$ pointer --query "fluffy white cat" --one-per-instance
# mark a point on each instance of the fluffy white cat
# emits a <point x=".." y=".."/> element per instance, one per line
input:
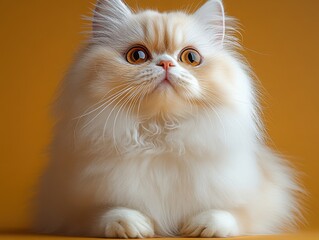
<point x="158" y="134"/>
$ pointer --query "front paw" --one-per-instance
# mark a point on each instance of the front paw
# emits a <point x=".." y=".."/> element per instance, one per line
<point x="127" y="223"/>
<point x="213" y="223"/>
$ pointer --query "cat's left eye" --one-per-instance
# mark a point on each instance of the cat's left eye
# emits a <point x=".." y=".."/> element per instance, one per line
<point x="137" y="55"/>
<point x="190" y="56"/>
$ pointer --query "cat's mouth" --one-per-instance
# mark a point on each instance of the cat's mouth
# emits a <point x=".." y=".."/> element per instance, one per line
<point x="164" y="85"/>
<point x="166" y="81"/>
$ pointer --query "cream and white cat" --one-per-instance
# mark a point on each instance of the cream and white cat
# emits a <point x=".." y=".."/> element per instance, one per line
<point x="158" y="134"/>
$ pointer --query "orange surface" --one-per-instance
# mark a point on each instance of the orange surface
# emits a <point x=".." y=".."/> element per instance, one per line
<point x="299" y="236"/>
<point x="39" y="38"/>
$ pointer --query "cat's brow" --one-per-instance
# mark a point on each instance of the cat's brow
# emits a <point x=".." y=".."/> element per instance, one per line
<point x="159" y="35"/>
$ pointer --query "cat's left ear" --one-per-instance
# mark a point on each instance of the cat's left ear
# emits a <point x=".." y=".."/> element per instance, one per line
<point x="212" y="15"/>
<point x="108" y="16"/>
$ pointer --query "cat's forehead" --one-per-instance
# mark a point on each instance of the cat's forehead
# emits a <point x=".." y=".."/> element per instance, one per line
<point x="164" y="32"/>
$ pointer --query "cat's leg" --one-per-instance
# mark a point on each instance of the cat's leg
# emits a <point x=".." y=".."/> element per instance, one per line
<point x="212" y="223"/>
<point x="125" y="223"/>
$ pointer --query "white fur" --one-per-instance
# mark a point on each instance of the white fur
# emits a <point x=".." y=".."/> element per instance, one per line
<point x="126" y="223"/>
<point x="211" y="223"/>
<point x="196" y="172"/>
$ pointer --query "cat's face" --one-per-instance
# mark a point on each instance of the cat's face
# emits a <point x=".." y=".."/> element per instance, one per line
<point x="150" y="62"/>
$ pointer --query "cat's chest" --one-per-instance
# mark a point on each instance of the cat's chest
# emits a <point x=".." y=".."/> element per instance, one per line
<point x="164" y="181"/>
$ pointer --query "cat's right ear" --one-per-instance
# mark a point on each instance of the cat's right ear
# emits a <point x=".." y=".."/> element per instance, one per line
<point x="108" y="16"/>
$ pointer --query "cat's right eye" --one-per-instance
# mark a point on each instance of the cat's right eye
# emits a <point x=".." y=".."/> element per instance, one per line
<point x="137" y="55"/>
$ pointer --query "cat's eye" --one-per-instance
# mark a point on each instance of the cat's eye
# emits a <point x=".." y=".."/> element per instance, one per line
<point x="190" y="56"/>
<point x="137" y="55"/>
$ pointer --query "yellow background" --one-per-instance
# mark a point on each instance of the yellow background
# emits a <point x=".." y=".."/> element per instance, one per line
<point x="39" y="37"/>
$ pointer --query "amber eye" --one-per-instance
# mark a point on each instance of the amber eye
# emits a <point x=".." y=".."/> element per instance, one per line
<point x="190" y="56"/>
<point x="137" y="55"/>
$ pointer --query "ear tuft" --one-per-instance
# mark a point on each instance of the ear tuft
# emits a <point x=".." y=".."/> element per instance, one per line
<point x="108" y="16"/>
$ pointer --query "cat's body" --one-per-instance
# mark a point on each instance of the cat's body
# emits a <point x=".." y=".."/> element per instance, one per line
<point x="136" y="156"/>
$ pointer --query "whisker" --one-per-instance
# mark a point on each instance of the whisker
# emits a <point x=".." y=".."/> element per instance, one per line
<point x="86" y="114"/>
<point x="122" y="96"/>
<point x="100" y="101"/>
<point x="119" y="110"/>
<point x="110" y="101"/>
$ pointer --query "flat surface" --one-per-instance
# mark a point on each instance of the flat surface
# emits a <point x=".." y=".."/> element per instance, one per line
<point x="297" y="236"/>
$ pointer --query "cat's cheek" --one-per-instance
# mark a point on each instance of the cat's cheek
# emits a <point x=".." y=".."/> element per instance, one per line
<point x="217" y="84"/>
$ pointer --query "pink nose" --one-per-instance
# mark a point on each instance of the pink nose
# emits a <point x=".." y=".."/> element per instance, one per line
<point x="166" y="64"/>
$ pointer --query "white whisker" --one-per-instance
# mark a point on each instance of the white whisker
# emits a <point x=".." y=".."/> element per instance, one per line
<point x="110" y="101"/>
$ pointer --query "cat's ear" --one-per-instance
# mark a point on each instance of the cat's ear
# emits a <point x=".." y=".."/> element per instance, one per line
<point x="108" y="15"/>
<point x="212" y="15"/>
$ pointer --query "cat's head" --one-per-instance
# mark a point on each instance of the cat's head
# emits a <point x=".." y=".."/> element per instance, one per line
<point x="150" y="63"/>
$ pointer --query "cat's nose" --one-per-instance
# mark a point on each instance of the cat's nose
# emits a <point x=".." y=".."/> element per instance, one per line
<point x="166" y="64"/>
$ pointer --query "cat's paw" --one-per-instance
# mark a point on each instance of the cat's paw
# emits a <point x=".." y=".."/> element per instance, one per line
<point x="127" y="223"/>
<point x="213" y="223"/>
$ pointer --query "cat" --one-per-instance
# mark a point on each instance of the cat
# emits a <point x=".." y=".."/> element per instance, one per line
<point x="158" y="133"/>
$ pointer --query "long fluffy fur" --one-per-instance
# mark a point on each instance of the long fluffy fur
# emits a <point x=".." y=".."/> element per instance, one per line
<point x="128" y="160"/>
